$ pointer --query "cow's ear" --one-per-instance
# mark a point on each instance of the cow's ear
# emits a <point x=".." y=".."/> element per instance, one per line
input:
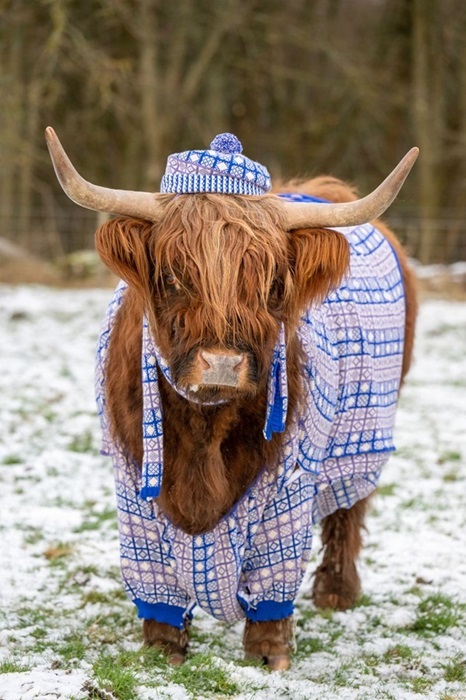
<point x="319" y="258"/>
<point x="122" y="246"/>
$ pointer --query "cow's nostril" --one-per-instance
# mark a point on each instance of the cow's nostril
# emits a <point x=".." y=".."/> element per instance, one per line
<point x="204" y="360"/>
<point x="240" y="363"/>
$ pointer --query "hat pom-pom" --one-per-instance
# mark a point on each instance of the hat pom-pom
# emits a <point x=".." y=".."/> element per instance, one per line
<point x="226" y="143"/>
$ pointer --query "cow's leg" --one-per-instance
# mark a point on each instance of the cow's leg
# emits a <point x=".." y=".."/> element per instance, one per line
<point x="270" y="642"/>
<point x="171" y="640"/>
<point x="336" y="582"/>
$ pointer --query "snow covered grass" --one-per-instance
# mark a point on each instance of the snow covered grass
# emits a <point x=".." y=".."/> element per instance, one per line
<point x="66" y="628"/>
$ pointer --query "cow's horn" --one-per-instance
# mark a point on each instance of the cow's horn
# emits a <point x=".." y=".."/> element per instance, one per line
<point x="143" y="205"/>
<point x="314" y="215"/>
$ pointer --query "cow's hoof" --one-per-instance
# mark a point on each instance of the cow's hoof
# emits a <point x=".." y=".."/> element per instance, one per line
<point x="271" y="642"/>
<point x="278" y="663"/>
<point x="171" y="640"/>
<point x="334" y="590"/>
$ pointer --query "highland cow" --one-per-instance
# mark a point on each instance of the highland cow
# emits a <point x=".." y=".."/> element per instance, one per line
<point x="248" y="372"/>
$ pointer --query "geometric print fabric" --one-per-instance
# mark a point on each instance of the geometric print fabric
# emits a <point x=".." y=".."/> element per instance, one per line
<point x="331" y="457"/>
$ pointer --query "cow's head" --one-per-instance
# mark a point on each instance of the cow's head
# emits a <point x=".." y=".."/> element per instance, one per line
<point x="219" y="273"/>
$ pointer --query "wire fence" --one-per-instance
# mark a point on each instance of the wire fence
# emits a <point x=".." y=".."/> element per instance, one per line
<point x="439" y="240"/>
<point x="51" y="235"/>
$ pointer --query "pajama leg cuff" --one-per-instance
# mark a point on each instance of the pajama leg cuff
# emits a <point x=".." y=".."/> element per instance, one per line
<point x="269" y="610"/>
<point x="162" y="612"/>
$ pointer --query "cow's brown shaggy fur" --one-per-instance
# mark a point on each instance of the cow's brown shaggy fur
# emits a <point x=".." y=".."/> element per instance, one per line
<point x="171" y="640"/>
<point x="336" y="580"/>
<point x="272" y="642"/>
<point x="221" y="272"/>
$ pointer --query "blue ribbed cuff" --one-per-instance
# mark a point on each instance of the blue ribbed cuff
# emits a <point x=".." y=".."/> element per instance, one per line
<point x="162" y="612"/>
<point x="193" y="183"/>
<point x="269" y="610"/>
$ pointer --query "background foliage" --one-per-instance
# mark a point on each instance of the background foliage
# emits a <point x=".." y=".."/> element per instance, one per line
<point x="341" y="86"/>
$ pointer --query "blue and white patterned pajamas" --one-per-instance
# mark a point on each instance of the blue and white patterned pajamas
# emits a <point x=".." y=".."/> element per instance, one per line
<point x="253" y="561"/>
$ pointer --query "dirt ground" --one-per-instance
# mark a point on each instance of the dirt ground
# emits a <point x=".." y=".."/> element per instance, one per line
<point x="36" y="271"/>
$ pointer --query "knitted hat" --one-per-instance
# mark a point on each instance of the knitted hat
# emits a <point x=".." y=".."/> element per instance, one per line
<point x="221" y="169"/>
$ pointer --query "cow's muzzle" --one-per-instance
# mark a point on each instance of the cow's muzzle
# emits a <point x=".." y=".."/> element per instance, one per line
<point x="221" y="368"/>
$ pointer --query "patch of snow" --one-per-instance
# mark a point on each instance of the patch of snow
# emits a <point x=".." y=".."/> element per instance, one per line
<point x="42" y="685"/>
<point x="55" y="486"/>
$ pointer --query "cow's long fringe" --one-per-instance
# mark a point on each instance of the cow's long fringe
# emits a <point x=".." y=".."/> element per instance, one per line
<point x="225" y="254"/>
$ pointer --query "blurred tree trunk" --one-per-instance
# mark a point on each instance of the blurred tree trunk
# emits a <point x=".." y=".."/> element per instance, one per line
<point x="31" y="116"/>
<point x="152" y="117"/>
<point x="455" y="179"/>
<point x="461" y="145"/>
<point x="10" y="127"/>
<point x="428" y="121"/>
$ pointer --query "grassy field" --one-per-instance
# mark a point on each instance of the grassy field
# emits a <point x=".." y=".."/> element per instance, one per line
<point x="66" y="628"/>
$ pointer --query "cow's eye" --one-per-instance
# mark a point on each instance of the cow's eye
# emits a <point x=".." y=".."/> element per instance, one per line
<point x="275" y="288"/>
<point x="171" y="282"/>
<point x="275" y="293"/>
